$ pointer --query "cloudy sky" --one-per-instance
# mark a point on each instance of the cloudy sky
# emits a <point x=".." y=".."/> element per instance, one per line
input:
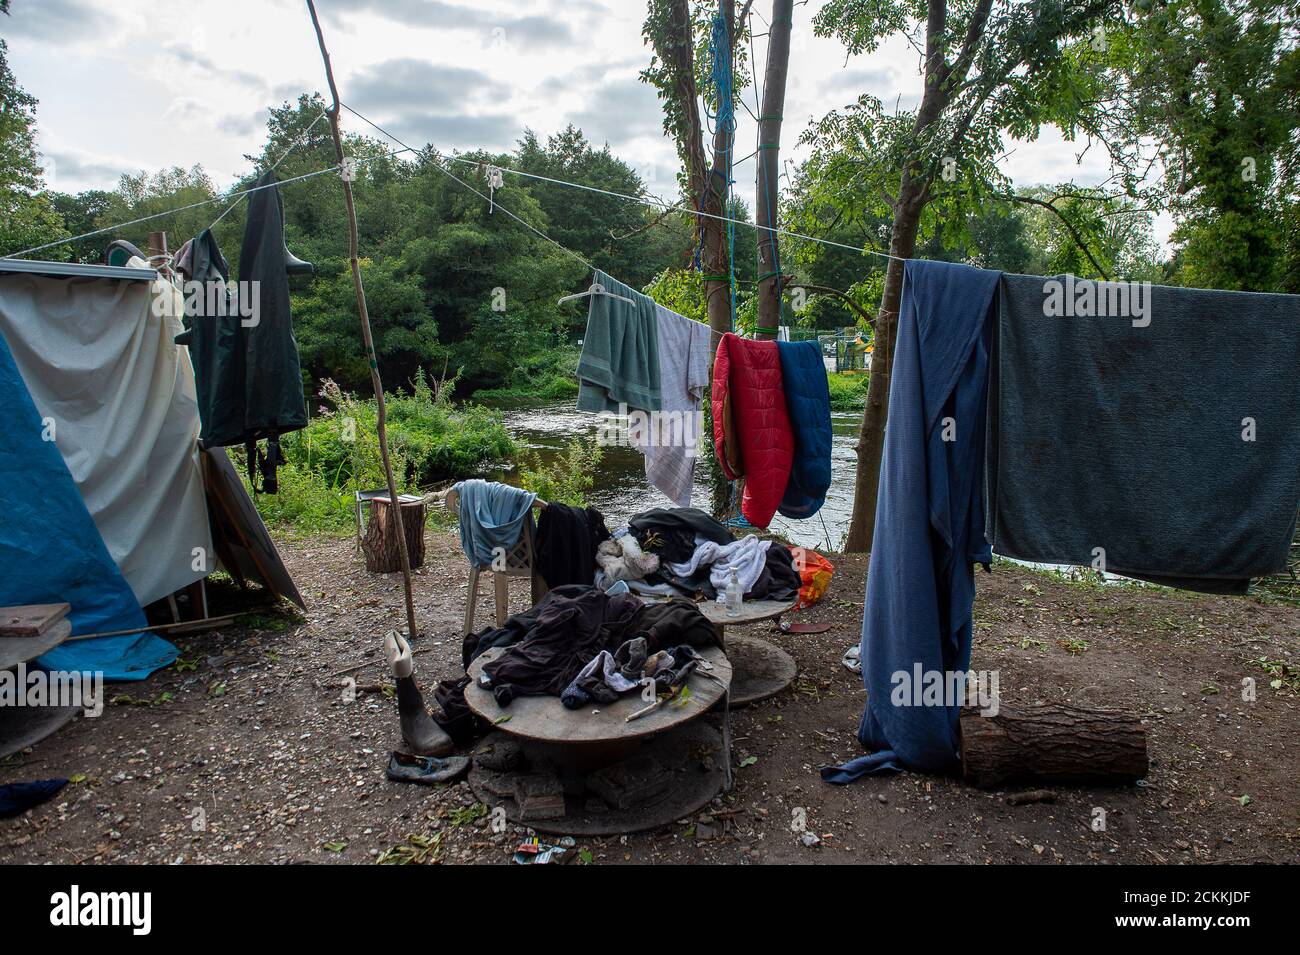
<point x="130" y="85"/>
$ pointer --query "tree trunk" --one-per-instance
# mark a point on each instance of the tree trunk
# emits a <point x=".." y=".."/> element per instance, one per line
<point x="1052" y="743"/>
<point x="716" y="258"/>
<point x="913" y="194"/>
<point x="381" y="544"/>
<point x="769" y="168"/>
<point x="871" y="439"/>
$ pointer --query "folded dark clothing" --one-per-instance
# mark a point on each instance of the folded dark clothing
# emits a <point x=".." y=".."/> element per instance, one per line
<point x="669" y="623"/>
<point x="779" y="579"/>
<point x="676" y="529"/>
<point x="567" y="538"/>
<point x="562" y="637"/>
<point x="517" y="626"/>
<point x="1113" y="438"/>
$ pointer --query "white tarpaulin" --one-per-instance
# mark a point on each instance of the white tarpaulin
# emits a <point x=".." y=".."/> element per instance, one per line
<point x="118" y="394"/>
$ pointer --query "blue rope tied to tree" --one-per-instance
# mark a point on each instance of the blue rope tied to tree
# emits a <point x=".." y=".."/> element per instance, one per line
<point x="721" y="80"/>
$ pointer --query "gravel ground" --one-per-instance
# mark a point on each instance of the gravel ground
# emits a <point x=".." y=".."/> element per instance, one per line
<point x="248" y="751"/>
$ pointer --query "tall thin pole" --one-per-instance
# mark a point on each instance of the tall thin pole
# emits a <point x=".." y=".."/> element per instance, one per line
<point x="395" y="507"/>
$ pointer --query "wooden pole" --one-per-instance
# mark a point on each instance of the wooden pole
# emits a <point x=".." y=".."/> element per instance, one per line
<point x="333" y="113"/>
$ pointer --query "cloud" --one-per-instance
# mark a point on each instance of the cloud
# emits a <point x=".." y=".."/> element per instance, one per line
<point x="191" y="56"/>
<point x="532" y="29"/>
<point x="410" y="82"/>
<point x="74" y="171"/>
<point x="242" y="124"/>
<point x="495" y="132"/>
<point x="57" y="21"/>
<point x="620" y="111"/>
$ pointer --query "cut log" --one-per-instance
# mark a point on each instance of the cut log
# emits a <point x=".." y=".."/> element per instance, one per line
<point x="380" y="544"/>
<point x="1055" y="743"/>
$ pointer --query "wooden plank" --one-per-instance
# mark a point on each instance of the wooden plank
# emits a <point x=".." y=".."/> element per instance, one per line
<point x="30" y="620"/>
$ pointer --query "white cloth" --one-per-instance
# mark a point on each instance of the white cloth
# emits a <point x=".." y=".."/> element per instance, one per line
<point x="746" y="557"/>
<point x="670" y="438"/>
<point x="100" y="363"/>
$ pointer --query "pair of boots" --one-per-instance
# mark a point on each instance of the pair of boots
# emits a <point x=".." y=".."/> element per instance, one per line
<point x="422" y="736"/>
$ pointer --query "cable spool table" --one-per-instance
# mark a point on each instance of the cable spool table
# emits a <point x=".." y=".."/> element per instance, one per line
<point x="760" y="668"/>
<point x="591" y="772"/>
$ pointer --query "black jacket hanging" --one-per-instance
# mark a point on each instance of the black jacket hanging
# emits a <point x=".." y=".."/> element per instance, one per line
<point x="245" y="356"/>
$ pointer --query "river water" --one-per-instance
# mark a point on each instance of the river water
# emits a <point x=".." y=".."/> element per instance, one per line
<point x="621" y="489"/>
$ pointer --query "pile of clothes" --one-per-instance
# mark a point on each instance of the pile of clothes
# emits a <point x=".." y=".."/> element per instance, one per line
<point x="697" y="556"/>
<point x="581" y="644"/>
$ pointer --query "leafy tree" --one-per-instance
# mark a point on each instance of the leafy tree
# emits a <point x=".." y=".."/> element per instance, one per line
<point x="27" y="217"/>
<point x="990" y="67"/>
<point x="1216" y="83"/>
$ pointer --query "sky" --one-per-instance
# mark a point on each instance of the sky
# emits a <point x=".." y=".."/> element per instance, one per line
<point x="130" y="85"/>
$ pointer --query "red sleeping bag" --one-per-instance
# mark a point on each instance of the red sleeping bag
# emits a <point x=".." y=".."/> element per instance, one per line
<point x="751" y="429"/>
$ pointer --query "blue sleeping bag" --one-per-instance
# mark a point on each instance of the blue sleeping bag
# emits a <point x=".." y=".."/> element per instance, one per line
<point x="808" y="403"/>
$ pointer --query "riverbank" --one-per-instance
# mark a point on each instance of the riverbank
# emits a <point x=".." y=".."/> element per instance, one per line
<point x="247" y="751"/>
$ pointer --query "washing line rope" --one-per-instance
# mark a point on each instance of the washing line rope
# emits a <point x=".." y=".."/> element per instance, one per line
<point x="192" y="205"/>
<point x="446" y="172"/>
<point x="298" y="141"/>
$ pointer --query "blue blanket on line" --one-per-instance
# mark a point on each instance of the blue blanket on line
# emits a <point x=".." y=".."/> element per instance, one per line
<point x="808" y="403"/>
<point x="929" y="521"/>
<point x="492" y="516"/>
<point x="52" y="552"/>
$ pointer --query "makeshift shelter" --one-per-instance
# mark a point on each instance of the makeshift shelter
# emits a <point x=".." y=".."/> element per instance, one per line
<point x="102" y="482"/>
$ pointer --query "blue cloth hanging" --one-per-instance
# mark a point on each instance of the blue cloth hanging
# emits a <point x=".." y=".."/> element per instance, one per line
<point x="929" y="521"/>
<point x="808" y="403"/>
<point x="52" y="552"/>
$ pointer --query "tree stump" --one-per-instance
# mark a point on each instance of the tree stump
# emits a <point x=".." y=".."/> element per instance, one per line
<point x="1053" y="743"/>
<point x="380" y="541"/>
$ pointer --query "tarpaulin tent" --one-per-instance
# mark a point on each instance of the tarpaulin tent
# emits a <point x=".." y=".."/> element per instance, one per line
<point x="101" y="482"/>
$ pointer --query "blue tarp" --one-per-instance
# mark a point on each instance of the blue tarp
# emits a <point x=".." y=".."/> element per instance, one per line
<point x="929" y="521"/>
<point x="51" y="551"/>
<point x="808" y="403"/>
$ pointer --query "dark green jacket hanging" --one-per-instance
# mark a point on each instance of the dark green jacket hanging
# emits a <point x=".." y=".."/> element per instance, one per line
<point x="246" y="360"/>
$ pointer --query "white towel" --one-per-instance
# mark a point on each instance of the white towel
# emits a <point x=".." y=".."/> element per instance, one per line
<point x="671" y="437"/>
<point x="746" y="557"/>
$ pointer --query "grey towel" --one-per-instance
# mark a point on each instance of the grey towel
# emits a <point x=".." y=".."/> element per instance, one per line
<point x="620" y="352"/>
<point x="1132" y="433"/>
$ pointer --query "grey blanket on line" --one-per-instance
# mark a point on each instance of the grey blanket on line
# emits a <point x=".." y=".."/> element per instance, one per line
<point x="1130" y="439"/>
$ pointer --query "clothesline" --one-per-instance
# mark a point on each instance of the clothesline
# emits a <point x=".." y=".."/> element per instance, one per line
<point x="193" y="205"/>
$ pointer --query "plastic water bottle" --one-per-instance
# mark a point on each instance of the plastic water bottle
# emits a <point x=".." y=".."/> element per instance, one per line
<point x="734" y="596"/>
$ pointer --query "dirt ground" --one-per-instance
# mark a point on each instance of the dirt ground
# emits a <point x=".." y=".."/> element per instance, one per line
<point x="246" y="751"/>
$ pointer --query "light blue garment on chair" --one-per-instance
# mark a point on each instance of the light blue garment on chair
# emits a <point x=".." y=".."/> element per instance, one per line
<point x="492" y="516"/>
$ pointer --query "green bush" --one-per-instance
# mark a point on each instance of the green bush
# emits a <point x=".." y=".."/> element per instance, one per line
<point x="568" y="478"/>
<point x="848" y="390"/>
<point x="543" y="378"/>
<point x="430" y="440"/>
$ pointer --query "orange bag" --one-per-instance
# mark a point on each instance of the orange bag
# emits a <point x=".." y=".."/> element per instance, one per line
<point x="814" y="573"/>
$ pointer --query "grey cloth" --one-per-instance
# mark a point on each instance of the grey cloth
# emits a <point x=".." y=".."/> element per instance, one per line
<point x="672" y="439"/>
<point x="619" y="364"/>
<point x="1103" y="433"/>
